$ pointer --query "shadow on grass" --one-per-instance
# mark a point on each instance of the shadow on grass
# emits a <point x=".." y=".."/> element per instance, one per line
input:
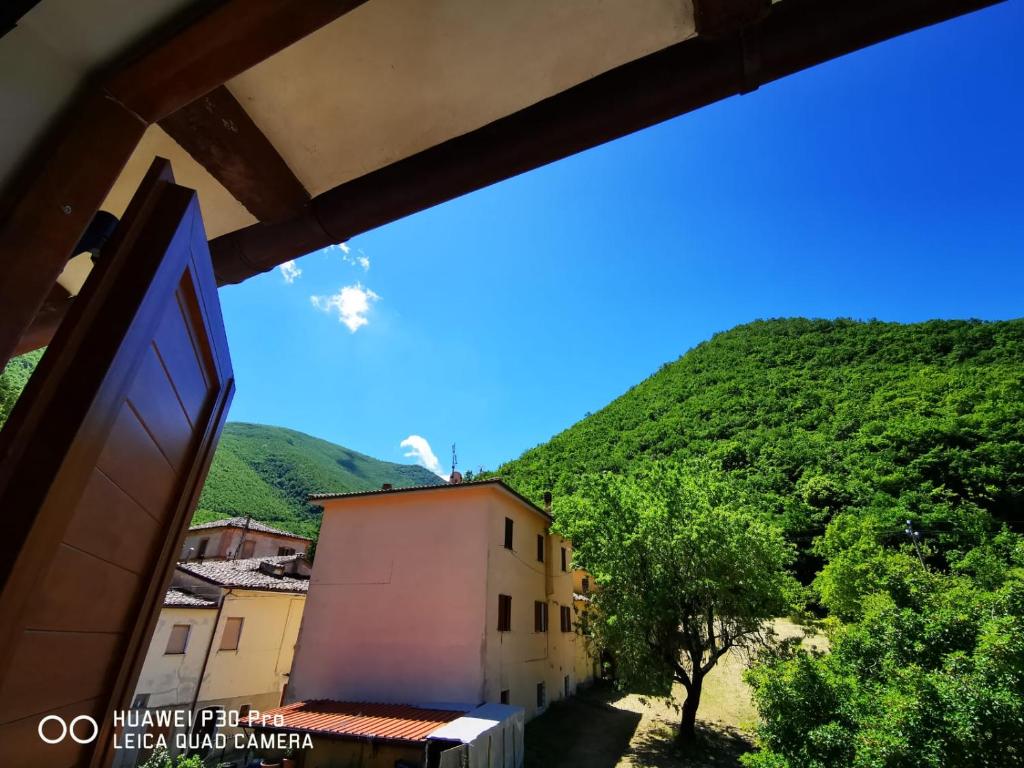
<point x="717" y="746"/>
<point x="583" y="732"/>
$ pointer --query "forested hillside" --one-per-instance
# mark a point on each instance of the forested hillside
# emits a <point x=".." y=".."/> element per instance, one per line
<point x="269" y="471"/>
<point x="818" y="418"/>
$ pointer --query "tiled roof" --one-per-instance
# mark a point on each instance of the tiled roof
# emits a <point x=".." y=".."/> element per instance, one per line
<point x="495" y="482"/>
<point x="176" y="598"/>
<point x="245" y="573"/>
<point x="239" y="522"/>
<point x="359" y="720"/>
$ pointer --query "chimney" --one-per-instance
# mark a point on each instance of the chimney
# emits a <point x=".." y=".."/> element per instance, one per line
<point x="387" y="487"/>
<point x="455" y="477"/>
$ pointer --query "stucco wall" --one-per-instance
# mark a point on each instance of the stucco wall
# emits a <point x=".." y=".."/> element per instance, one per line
<point x="266" y="646"/>
<point x="396" y="603"/>
<point x="223" y="542"/>
<point x="403" y="602"/>
<point x="170" y="679"/>
<point x="521" y="658"/>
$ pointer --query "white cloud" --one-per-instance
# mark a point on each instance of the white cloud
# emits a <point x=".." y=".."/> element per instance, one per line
<point x="290" y="271"/>
<point x="352" y="303"/>
<point x="357" y="259"/>
<point x="421" y="452"/>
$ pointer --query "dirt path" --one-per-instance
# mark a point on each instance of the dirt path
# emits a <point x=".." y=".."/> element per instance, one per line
<point x="602" y="728"/>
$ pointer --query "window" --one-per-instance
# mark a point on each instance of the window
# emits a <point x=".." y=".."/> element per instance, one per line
<point x="565" y="559"/>
<point x="283" y="551"/>
<point x="565" y="617"/>
<point x="232" y="633"/>
<point x="505" y="696"/>
<point x="203" y="544"/>
<point x="540" y="547"/>
<point x="249" y="547"/>
<point x="178" y="640"/>
<point x="542" y="696"/>
<point x="508" y="533"/>
<point x="586" y="586"/>
<point x="504" y="613"/>
<point x="540" y="616"/>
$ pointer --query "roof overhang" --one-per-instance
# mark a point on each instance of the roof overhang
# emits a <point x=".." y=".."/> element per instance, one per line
<point x="302" y="124"/>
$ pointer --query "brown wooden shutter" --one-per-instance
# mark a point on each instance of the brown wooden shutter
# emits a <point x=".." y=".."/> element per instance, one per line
<point x="101" y="465"/>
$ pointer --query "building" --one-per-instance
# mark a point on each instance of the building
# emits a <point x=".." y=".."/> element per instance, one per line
<point x="448" y="596"/>
<point x="240" y="537"/>
<point x="224" y="639"/>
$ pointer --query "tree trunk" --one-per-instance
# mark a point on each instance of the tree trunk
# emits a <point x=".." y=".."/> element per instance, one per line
<point x="687" y="724"/>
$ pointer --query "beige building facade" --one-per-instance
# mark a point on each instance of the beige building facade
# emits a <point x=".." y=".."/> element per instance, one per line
<point x="224" y="640"/>
<point x="451" y="595"/>
<point x="242" y="538"/>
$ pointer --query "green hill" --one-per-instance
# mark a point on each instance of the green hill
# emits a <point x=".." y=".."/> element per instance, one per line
<point x="269" y="471"/>
<point x="819" y="418"/>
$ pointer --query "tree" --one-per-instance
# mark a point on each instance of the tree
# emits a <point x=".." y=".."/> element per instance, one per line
<point x="930" y="672"/>
<point x="685" y="570"/>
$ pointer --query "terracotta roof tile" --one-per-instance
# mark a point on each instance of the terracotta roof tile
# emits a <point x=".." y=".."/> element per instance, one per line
<point x="177" y="598"/>
<point x="239" y="522"/>
<point x="245" y="573"/>
<point x="361" y="720"/>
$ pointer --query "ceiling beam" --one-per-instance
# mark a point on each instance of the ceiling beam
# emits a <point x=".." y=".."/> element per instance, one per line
<point x="61" y="185"/>
<point x="228" y="40"/>
<point x="792" y="35"/>
<point x="220" y="136"/>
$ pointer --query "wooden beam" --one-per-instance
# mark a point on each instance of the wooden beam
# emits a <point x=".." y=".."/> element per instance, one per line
<point x="229" y="40"/>
<point x="792" y="36"/>
<point x="49" y="216"/>
<point x="59" y="190"/>
<point x="221" y="136"/>
<point x="46" y="321"/>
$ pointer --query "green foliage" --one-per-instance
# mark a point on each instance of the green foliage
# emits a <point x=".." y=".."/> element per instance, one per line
<point x="270" y="472"/>
<point x="160" y="759"/>
<point x="842" y="431"/>
<point x="687" y="569"/>
<point x="931" y="673"/>
<point x="819" y="419"/>
<point x="13" y="380"/>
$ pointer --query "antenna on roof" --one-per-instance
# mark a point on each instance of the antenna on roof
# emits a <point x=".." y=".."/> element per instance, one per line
<point x="455" y="477"/>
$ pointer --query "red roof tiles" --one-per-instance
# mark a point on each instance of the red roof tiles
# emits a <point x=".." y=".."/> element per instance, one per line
<point x="360" y="720"/>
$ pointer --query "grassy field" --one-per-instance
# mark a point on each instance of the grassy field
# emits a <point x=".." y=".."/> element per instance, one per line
<point x="604" y="728"/>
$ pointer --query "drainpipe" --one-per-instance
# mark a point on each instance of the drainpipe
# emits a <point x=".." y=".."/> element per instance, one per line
<point x="209" y="648"/>
<point x="241" y="541"/>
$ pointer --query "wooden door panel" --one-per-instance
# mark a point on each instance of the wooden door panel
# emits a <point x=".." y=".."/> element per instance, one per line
<point x="103" y="462"/>
<point x="133" y="461"/>
<point x="187" y="354"/>
<point x="67" y="684"/>
<point x="155" y="402"/>
<point x="112" y="536"/>
<point x="20" y="738"/>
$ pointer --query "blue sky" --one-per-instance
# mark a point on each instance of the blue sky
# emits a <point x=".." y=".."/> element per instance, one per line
<point x="887" y="184"/>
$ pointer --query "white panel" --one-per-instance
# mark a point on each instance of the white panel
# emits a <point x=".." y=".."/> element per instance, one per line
<point x="394" y="77"/>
